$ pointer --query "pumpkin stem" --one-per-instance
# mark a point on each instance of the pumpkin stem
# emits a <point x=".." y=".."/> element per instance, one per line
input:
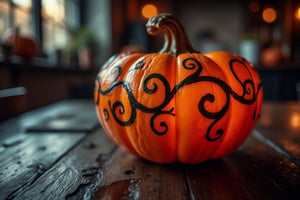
<point x="176" y="41"/>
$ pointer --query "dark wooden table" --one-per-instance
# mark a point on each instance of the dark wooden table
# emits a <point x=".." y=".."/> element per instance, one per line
<point x="60" y="152"/>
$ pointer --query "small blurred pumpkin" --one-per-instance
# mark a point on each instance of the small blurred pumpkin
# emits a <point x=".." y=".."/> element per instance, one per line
<point x="271" y="56"/>
<point x="177" y="104"/>
<point x="21" y="46"/>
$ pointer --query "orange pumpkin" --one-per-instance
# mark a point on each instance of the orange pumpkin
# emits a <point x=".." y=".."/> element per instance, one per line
<point x="21" y="46"/>
<point x="177" y="104"/>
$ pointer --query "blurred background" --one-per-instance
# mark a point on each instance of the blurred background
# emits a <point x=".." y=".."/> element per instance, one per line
<point x="52" y="49"/>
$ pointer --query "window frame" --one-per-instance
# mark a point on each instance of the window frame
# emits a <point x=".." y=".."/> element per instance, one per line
<point x="37" y="19"/>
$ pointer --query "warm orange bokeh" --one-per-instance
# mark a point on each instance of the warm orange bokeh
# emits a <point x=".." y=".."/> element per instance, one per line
<point x="269" y="15"/>
<point x="149" y="10"/>
<point x="297" y="14"/>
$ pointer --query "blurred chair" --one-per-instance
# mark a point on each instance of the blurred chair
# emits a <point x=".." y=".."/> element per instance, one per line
<point x="13" y="101"/>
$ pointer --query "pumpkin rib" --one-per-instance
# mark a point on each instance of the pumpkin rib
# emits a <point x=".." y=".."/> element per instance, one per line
<point x="134" y="58"/>
<point x="221" y="152"/>
<point x="229" y="111"/>
<point x="253" y="74"/>
<point x="122" y="139"/>
<point x="144" y="147"/>
<point x="218" y="104"/>
<point x="213" y="156"/>
<point x="137" y="142"/>
<point x="170" y="142"/>
<point x="200" y="149"/>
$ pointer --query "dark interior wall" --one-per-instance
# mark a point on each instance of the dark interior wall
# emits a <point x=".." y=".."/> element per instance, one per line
<point x="112" y="20"/>
<point x="46" y="85"/>
<point x="222" y="18"/>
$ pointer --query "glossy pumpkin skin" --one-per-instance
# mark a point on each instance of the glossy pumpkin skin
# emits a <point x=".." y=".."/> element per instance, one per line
<point x="188" y="107"/>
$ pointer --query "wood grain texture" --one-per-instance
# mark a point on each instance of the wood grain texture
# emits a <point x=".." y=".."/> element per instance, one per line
<point x="24" y="163"/>
<point x="265" y="173"/>
<point x="76" y="175"/>
<point x="85" y="109"/>
<point x="280" y="124"/>
<point x="128" y="177"/>
<point x="90" y="166"/>
<point x="215" y="179"/>
<point x="254" y="171"/>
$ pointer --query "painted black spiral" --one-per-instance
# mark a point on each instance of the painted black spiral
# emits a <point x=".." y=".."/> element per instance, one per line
<point x="117" y="108"/>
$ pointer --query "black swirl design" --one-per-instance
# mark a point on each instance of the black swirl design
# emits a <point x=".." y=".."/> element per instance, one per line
<point x="162" y="124"/>
<point x="117" y="108"/>
<point x="110" y="60"/>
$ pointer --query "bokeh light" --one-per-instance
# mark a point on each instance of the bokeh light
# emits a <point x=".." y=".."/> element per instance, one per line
<point x="297" y="14"/>
<point x="149" y="10"/>
<point x="269" y="15"/>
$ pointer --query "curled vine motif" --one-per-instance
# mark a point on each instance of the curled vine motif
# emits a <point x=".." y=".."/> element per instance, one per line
<point x="162" y="124"/>
<point x="213" y="115"/>
<point x="248" y="85"/>
<point x="155" y="88"/>
<point x="117" y="108"/>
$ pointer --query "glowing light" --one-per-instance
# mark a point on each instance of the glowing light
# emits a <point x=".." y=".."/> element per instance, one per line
<point x="295" y="120"/>
<point x="269" y="15"/>
<point x="149" y="10"/>
<point x="297" y="14"/>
